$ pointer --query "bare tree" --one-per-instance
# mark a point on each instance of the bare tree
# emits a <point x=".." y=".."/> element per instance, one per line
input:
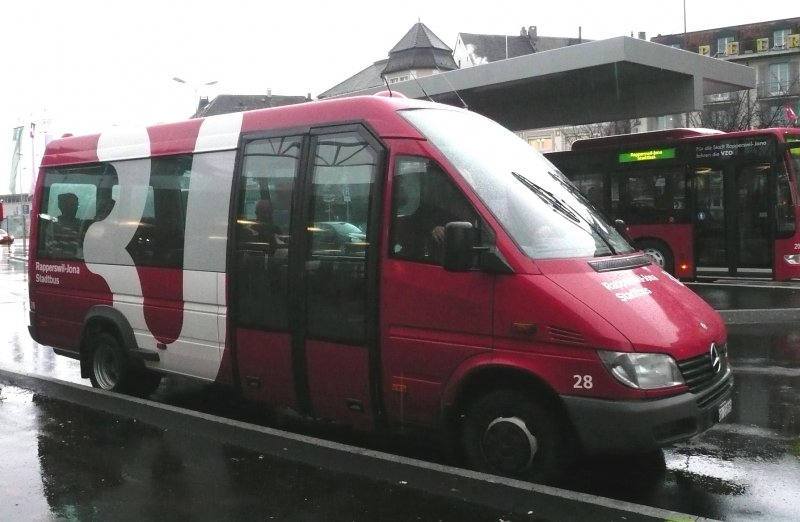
<point x="742" y="110"/>
<point x="597" y="130"/>
<point x="727" y="112"/>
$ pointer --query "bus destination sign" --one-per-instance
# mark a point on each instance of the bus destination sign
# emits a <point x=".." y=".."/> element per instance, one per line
<point x="646" y="155"/>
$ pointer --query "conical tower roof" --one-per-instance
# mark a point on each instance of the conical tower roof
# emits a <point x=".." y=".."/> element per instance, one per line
<point x="420" y="49"/>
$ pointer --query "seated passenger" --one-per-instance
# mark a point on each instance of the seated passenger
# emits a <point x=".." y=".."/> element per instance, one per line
<point x="66" y="238"/>
<point x="264" y="231"/>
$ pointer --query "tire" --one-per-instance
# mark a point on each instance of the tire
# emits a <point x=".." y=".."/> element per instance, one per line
<point x="659" y="252"/>
<point x="508" y="433"/>
<point x="109" y="367"/>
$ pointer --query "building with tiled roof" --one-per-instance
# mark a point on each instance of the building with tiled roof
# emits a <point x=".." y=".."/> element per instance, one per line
<point x="477" y="49"/>
<point x="418" y="54"/>
<point x="227" y="103"/>
<point x="368" y="78"/>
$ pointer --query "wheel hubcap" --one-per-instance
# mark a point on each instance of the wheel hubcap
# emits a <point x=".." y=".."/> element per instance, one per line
<point x="508" y="445"/>
<point x="106" y="369"/>
<point x="656" y="256"/>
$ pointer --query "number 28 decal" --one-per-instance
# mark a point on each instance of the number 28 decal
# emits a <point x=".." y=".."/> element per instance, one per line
<point x="582" y="382"/>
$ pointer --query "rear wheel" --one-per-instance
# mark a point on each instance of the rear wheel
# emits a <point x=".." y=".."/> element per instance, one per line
<point x="659" y="252"/>
<point x="508" y="433"/>
<point x="109" y="366"/>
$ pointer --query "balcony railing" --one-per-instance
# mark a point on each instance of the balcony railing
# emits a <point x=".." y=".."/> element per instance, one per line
<point x="720" y="97"/>
<point x="777" y="88"/>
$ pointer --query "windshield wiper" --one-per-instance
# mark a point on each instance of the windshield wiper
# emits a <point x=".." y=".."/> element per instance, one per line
<point x="564" y="209"/>
<point x="549" y="198"/>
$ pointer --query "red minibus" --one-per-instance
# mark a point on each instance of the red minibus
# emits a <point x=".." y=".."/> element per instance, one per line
<point x="376" y="261"/>
<point x="702" y="203"/>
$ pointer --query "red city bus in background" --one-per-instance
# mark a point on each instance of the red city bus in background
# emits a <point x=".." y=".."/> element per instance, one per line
<point x="375" y="261"/>
<point x="700" y="202"/>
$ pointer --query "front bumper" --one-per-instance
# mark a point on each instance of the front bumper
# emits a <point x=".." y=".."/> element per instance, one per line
<point x="605" y="426"/>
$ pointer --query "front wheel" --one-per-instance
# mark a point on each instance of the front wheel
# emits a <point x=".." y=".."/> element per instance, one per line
<point x="109" y="366"/>
<point x="508" y="433"/>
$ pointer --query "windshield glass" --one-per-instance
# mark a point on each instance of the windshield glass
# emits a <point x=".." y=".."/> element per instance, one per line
<point x="545" y="215"/>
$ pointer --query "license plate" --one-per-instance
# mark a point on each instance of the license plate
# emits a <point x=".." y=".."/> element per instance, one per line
<point x="725" y="409"/>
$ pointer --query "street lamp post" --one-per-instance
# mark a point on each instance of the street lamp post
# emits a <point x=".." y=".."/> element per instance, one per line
<point x="196" y="88"/>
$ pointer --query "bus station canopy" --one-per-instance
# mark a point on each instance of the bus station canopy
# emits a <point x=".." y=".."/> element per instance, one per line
<point x="605" y="80"/>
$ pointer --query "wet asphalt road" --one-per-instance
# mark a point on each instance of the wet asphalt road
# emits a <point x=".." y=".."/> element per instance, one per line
<point x="745" y="469"/>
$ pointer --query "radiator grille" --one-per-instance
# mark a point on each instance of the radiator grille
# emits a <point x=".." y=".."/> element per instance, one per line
<point x="699" y="372"/>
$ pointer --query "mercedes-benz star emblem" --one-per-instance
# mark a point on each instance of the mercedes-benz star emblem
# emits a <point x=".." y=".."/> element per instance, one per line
<point x="716" y="360"/>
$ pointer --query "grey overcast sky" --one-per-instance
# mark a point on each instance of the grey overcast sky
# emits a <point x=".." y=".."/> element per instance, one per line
<point x="86" y="65"/>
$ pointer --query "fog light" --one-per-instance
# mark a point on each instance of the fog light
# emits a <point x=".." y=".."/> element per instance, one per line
<point x="792" y="259"/>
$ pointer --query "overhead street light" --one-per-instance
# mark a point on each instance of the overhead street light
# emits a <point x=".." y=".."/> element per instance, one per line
<point x="196" y="87"/>
<point x="181" y="80"/>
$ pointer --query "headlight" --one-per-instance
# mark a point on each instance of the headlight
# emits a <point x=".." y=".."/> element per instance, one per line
<point x="646" y="371"/>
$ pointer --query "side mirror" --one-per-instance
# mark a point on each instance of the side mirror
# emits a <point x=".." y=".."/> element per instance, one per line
<point x="622" y="228"/>
<point x="459" y="240"/>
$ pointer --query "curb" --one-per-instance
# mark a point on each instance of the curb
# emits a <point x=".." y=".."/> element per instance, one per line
<point x="445" y="481"/>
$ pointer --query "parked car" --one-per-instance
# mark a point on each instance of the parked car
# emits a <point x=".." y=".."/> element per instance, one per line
<point x="5" y="237"/>
<point x="340" y="237"/>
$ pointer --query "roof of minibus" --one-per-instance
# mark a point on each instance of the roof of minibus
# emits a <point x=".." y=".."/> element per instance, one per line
<point x="669" y="135"/>
<point x="181" y="137"/>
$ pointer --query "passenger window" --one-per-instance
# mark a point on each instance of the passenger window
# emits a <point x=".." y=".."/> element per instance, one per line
<point x="650" y="196"/>
<point x="345" y="168"/>
<point x="591" y="185"/>
<point x="152" y="212"/>
<point x="69" y="205"/>
<point x="424" y="200"/>
<point x="159" y="237"/>
<point x="263" y="228"/>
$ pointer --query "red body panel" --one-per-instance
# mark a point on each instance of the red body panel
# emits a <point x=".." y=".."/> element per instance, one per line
<point x="431" y="323"/>
<point x="339" y="382"/>
<point x="66" y="291"/>
<point x="650" y="308"/>
<point x="266" y="358"/>
<point x="162" y="290"/>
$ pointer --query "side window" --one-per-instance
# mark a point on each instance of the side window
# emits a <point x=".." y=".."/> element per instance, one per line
<point x="72" y="199"/>
<point x="159" y="238"/>
<point x="345" y="168"/>
<point x="149" y="218"/>
<point x="722" y="45"/>
<point x="650" y="196"/>
<point x="424" y="200"/>
<point x="263" y="225"/>
<point x="591" y="185"/>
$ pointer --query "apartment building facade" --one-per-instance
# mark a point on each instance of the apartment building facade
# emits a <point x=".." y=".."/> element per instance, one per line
<point x="772" y="49"/>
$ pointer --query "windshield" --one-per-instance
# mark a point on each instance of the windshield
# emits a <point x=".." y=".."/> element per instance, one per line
<point x="545" y="215"/>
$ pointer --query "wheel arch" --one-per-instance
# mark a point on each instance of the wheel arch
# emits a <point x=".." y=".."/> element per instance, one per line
<point x="104" y="319"/>
<point x="487" y="378"/>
